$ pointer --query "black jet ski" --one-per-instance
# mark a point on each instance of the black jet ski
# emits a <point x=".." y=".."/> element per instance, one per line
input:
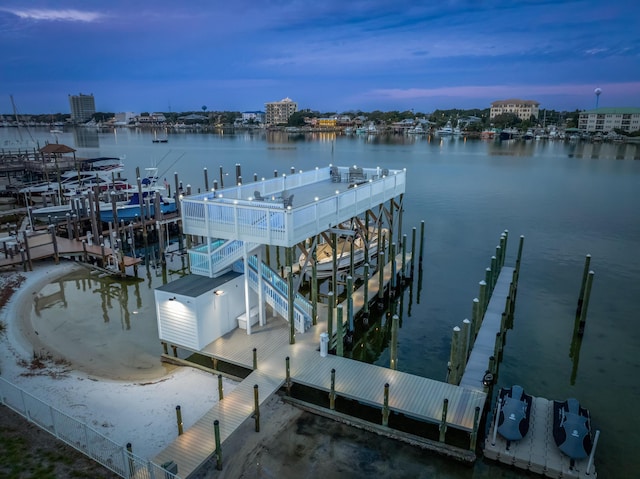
<point x="515" y="412"/>
<point x="572" y="428"/>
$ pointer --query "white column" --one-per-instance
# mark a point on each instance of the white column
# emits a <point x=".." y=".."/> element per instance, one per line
<point x="247" y="307"/>
<point x="261" y="305"/>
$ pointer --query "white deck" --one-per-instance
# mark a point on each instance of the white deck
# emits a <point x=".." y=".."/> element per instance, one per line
<point x="319" y="202"/>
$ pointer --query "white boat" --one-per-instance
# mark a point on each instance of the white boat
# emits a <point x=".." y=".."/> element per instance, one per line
<point x="324" y="253"/>
<point x="446" y="130"/>
<point x="416" y="130"/>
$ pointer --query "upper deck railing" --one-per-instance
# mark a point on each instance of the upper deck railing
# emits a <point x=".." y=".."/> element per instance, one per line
<point x="234" y="213"/>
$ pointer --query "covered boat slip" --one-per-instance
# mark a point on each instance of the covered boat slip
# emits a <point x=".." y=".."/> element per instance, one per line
<point x="286" y="210"/>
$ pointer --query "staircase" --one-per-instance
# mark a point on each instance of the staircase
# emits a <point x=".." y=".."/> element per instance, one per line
<point x="276" y="293"/>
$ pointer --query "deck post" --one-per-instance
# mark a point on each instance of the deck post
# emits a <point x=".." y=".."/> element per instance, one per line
<point x="287" y="382"/>
<point x="421" y="242"/>
<point x="380" y="276"/>
<point x="350" y="302"/>
<point x="330" y="311"/>
<point x="443" y="422"/>
<point x="395" y="320"/>
<point x="256" y="407"/>
<point x="220" y="388"/>
<point x="495" y="271"/>
<point x="452" y="377"/>
<point x="464" y="350"/>
<point x="413" y="248"/>
<point x="519" y="258"/>
<point x="314" y="289"/>
<point x="332" y="393"/>
<point x="291" y="295"/>
<point x="218" y="451"/>
<point x="179" y="420"/>
<point x="483" y="299"/>
<point x="585" y="273"/>
<point x="585" y="303"/>
<point x="474" y="431"/>
<point x="488" y="279"/>
<point x="164" y="347"/>
<point x="365" y="304"/>
<point x="334" y="270"/>
<point x="25" y="238"/>
<point x="340" y="332"/>
<point x="175" y="351"/>
<point x="404" y="258"/>
<point x="394" y="267"/>
<point x="385" y="407"/>
<point x="476" y="321"/>
<point x="255" y="359"/>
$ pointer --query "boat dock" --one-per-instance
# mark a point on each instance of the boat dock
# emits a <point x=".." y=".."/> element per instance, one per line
<point x="537" y="451"/>
<point x="268" y="348"/>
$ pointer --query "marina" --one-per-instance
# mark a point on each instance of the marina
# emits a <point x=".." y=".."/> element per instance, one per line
<point x="507" y="373"/>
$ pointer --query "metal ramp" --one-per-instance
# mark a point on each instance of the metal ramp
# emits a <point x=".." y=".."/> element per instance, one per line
<point x="276" y="293"/>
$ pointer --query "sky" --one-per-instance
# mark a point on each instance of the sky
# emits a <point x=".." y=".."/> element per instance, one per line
<point x="329" y="56"/>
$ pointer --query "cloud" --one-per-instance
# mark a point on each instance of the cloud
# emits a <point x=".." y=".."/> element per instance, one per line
<point x="55" y="15"/>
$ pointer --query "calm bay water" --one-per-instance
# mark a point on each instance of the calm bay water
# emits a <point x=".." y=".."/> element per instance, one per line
<point x="568" y="200"/>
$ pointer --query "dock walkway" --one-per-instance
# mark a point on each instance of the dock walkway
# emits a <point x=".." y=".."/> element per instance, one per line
<point x="414" y="396"/>
<point x="484" y="345"/>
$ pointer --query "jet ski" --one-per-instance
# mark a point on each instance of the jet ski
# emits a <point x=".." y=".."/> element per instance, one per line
<point x="572" y="428"/>
<point x="515" y="413"/>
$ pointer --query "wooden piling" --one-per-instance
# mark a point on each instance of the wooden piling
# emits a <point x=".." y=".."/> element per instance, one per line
<point x="220" y="388"/>
<point x="474" y="431"/>
<point x="314" y="289"/>
<point x="206" y="179"/>
<point x="385" y="407"/>
<point x="332" y="392"/>
<point x="585" y="303"/>
<point x="365" y="305"/>
<point x="381" y="264"/>
<point x="421" y="242"/>
<point x="452" y="377"/>
<point x="218" y="451"/>
<point x="583" y="283"/>
<point x="413" y="248"/>
<point x="350" y="302"/>
<point x="179" y="420"/>
<point x="443" y="422"/>
<point x="395" y="321"/>
<point x="255" y="359"/>
<point x="339" y="332"/>
<point x="330" y="310"/>
<point x="256" y="407"/>
<point x="287" y="383"/>
<point x="464" y="350"/>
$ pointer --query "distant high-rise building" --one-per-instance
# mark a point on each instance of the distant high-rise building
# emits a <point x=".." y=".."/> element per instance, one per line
<point x="278" y="112"/>
<point x="83" y="107"/>
<point x="524" y="109"/>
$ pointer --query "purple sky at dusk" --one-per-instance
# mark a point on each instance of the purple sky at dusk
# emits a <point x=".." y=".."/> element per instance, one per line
<point x="328" y="56"/>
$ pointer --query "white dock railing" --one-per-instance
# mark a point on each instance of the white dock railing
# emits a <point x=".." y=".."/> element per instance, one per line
<point x="231" y="214"/>
<point x="81" y="437"/>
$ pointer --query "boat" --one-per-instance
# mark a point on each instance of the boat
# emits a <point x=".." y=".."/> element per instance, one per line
<point x="529" y="135"/>
<point x="509" y="134"/>
<point x="416" y="130"/>
<point x="446" y="130"/>
<point x="515" y="413"/>
<point x="324" y="252"/>
<point x="572" y="428"/>
<point x="131" y="209"/>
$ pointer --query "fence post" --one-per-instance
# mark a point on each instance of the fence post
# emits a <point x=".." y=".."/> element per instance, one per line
<point x="218" y="452"/>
